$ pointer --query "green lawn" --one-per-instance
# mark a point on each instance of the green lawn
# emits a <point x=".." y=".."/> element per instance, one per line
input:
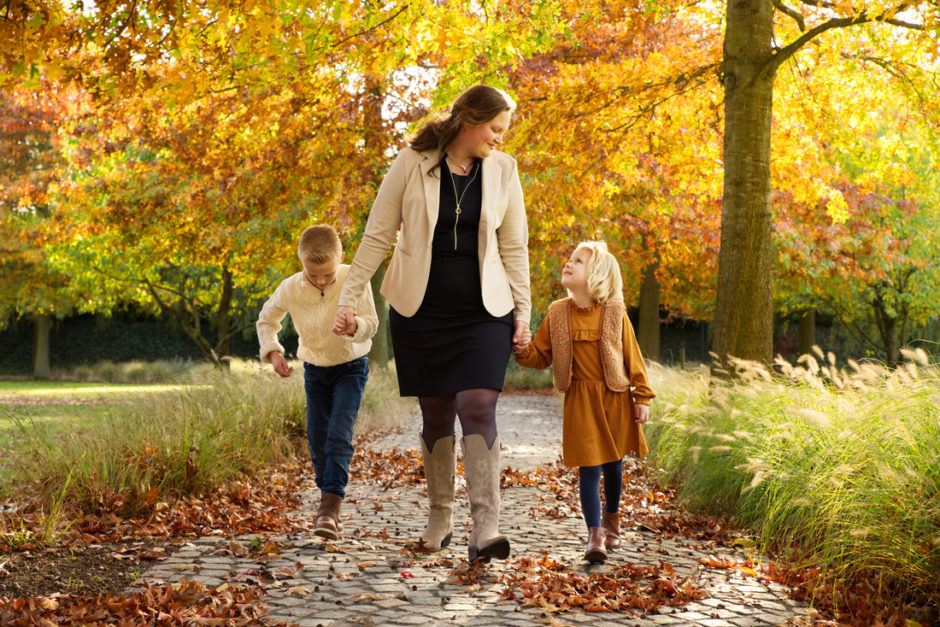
<point x="62" y="404"/>
<point x="11" y="390"/>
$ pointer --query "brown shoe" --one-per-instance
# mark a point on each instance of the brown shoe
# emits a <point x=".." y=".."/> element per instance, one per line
<point x="595" y="548"/>
<point x="611" y="524"/>
<point x="328" y="525"/>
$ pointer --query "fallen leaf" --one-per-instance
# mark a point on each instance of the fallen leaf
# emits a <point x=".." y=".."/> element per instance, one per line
<point x="362" y="597"/>
<point x="300" y="591"/>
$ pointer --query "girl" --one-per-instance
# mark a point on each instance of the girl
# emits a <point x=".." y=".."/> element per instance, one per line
<point x="599" y="367"/>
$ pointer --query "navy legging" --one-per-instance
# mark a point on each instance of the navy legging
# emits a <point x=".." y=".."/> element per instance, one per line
<point x="589" y="479"/>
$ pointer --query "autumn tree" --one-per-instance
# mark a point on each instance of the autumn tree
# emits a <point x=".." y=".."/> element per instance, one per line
<point x="30" y="168"/>
<point x="192" y="185"/>
<point x="761" y="36"/>
<point x="862" y="245"/>
<point x="617" y="140"/>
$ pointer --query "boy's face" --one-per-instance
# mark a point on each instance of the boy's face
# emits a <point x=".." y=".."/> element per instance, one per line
<point x="320" y="274"/>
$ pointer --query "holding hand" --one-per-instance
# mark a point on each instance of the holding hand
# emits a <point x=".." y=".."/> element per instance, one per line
<point x="641" y="413"/>
<point x="345" y="321"/>
<point x="521" y="338"/>
<point x="280" y="364"/>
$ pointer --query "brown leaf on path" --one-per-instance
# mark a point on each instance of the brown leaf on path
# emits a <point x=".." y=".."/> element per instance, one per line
<point x="300" y="591"/>
<point x="362" y="597"/>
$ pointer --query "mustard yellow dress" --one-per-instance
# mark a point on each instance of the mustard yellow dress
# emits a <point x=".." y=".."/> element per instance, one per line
<point x="598" y="423"/>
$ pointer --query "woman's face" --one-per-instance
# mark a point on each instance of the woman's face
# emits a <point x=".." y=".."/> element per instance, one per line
<point x="481" y="140"/>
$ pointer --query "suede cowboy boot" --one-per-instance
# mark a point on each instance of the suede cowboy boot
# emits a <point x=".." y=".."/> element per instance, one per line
<point x="595" y="549"/>
<point x="440" y="465"/>
<point x="481" y="469"/>
<point x="611" y="524"/>
<point x="328" y="525"/>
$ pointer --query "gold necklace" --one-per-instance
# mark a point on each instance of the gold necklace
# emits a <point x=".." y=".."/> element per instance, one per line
<point x="460" y="198"/>
<point x="463" y="168"/>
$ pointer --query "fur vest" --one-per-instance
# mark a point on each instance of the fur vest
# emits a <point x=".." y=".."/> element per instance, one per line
<point x="611" y="344"/>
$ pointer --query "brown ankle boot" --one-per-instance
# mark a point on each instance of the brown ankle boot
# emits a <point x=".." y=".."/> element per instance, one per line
<point x="328" y="525"/>
<point x="595" y="548"/>
<point x="611" y="524"/>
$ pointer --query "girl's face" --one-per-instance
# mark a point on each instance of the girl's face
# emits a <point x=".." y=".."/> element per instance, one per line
<point x="574" y="273"/>
<point x="481" y="140"/>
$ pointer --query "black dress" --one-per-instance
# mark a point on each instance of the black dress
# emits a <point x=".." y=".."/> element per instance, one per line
<point x="453" y="343"/>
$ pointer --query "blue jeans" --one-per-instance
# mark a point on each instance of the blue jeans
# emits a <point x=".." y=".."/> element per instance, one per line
<point x="333" y="397"/>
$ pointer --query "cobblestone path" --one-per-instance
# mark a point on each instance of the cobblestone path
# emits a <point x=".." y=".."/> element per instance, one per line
<point x="366" y="578"/>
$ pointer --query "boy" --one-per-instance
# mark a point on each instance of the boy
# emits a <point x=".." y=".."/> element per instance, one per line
<point x="335" y="367"/>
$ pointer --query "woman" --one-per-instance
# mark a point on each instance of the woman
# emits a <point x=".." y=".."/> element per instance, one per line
<point x="458" y="287"/>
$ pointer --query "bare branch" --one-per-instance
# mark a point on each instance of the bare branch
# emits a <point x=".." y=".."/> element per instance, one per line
<point x="884" y="64"/>
<point x="371" y="28"/>
<point x="796" y="15"/>
<point x="904" y="24"/>
<point x="863" y="17"/>
<point x="819" y="4"/>
<point x="130" y="16"/>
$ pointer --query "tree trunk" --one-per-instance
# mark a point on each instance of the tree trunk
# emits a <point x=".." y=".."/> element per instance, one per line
<point x="42" y="324"/>
<point x="743" y="311"/>
<point x="807" y="333"/>
<point x="378" y="355"/>
<point x="648" y="333"/>
<point x="890" y="342"/>
<point x="223" y="345"/>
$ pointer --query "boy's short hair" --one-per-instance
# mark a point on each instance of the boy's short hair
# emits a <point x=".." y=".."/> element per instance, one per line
<point x="602" y="272"/>
<point x="319" y="244"/>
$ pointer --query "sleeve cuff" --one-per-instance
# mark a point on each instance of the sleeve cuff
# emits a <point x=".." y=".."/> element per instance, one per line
<point x="269" y="348"/>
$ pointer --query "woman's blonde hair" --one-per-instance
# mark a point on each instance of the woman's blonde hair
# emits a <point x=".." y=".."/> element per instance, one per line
<point x="602" y="271"/>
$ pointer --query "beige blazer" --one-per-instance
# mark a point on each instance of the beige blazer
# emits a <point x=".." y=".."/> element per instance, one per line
<point x="407" y="204"/>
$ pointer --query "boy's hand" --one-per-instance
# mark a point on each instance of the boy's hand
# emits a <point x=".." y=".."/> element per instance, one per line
<point x="351" y="327"/>
<point x="641" y="413"/>
<point x="344" y="320"/>
<point x="280" y="364"/>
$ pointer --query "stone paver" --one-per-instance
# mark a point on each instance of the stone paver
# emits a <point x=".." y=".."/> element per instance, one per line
<point x="367" y="579"/>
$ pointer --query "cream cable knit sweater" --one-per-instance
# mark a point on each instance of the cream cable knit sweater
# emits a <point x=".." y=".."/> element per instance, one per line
<point x="312" y="312"/>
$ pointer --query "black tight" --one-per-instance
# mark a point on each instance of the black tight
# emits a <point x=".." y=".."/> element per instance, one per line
<point x="588" y="483"/>
<point x="475" y="408"/>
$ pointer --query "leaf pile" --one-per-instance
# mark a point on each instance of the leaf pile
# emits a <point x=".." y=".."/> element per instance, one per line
<point x="387" y="468"/>
<point x="546" y="584"/>
<point x="643" y="504"/>
<point x="249" y="505"/>
<point x="188" y="602"/>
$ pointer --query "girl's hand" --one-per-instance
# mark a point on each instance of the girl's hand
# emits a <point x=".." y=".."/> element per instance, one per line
<point x="641" y="413"/>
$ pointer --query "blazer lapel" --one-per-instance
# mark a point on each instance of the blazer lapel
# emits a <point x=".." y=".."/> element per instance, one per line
<point x="491" y="180"/>
<point x="432" y="185"/>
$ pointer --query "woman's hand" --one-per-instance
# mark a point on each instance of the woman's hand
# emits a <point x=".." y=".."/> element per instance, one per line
<point x="345" y="320"/>
<point x="522" y="336"/>
<point x="641" y="413"/>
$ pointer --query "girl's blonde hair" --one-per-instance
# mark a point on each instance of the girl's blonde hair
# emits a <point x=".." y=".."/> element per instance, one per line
<point x="602" y="271"/>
